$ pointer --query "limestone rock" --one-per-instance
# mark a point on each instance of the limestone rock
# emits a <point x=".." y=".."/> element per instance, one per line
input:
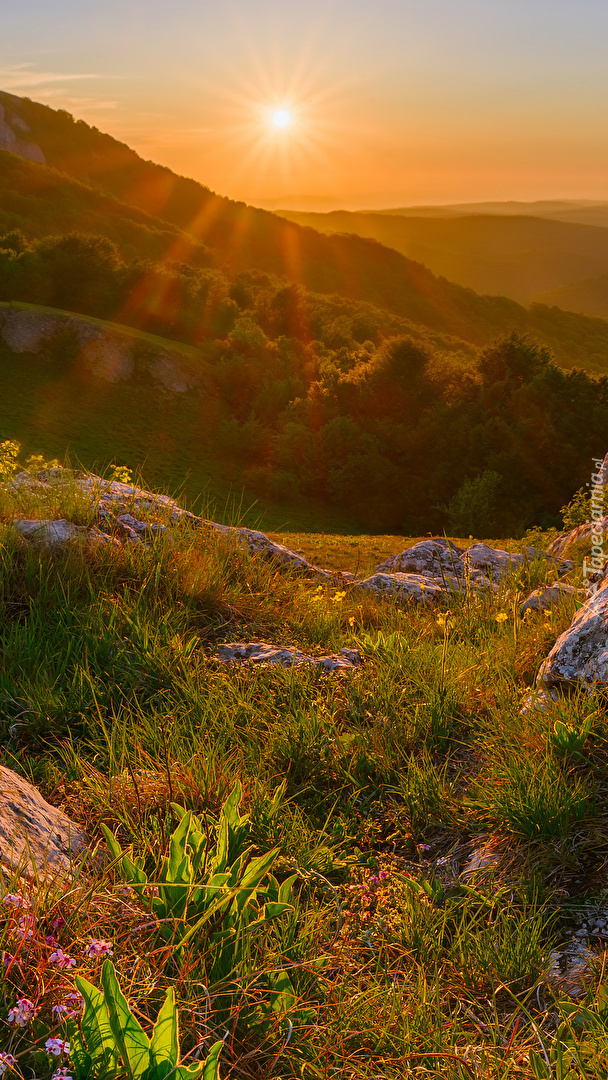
<point x="56" y="533"/>
<point x="403" y="588"/>
<point x="543" y="599"/>
<point x="260" y="544"/>
<point x="33" y="834"/>
<point x="566" y="542"/>
<point x="260" y="653"/>
<point x="435" y="557"/>
<point x="25" y="331"/>
<point x="10" y="141"/>
<point x="108" y="359"/>
<point x="580" y="654"/>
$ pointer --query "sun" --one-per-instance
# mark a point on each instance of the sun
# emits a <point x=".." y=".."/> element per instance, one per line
<point x="281" y="118"/>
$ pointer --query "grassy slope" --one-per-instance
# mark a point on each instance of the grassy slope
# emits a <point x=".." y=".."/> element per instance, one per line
<point x="48" y="407"/>
<point x="366" y="784"/>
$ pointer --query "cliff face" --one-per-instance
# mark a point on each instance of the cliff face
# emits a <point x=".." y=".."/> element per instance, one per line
<point x="12" y="129"/>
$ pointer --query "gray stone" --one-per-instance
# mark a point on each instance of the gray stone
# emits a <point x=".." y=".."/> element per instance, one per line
<point x="108" y="358"/>
<point x="404" y="589"/>
<point x="435" y="557"/>
<point x="255" y="652"/>
<point x="56" y="533"/>
<point x="25" y="331"/>
<point x="35" y="836"/>
<point x="568" y="541"/>
<point x="543" y="599"/>
<point x="580" y="654"/>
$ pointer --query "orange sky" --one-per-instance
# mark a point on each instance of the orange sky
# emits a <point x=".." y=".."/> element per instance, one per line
<point x="393" y="103"/>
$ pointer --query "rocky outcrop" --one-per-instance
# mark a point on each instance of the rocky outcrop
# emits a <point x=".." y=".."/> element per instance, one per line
<point x="544" y="599"/>
<point x="10" y="139"/>
<point x="259" y="653"/>
<point x="105" y="352"/>
<point x="33" y="834"/>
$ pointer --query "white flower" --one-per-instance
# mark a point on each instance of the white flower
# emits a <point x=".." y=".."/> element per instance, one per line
<point x="7" y="1061"/>
<point x="57" y="1047"/>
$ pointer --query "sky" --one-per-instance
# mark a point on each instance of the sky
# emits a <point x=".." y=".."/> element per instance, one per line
<point x="391" y="102"/>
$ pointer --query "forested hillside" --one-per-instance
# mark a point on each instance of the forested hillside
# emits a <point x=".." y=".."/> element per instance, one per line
<point x="519" y="256"/>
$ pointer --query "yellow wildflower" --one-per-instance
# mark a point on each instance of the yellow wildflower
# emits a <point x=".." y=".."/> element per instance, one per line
<point x="502" y="616"/>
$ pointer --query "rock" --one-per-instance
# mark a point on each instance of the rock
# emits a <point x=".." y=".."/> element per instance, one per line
<point x="55" y="534"/>
<point x="10" y="141"/>
<point x="539" y="700"/>
<point x="260" y="544"/>
<point x="166" y="370"/>
<point x="448" y="564"/>
<point x="433" y="557"/>
<point x="259" y="653"/>
<point x="566" y="542"/>
<point x="33" y="834"/>
<point x="25" y="331"/>
<point x="403" y="588"/>
<point x="580" y="654"/>
<point x="108" y="358"/>
<point x="543" y="599"/>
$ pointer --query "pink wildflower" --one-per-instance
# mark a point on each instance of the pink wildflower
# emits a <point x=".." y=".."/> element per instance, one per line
<point x="62" y="1074"/>
<point x="7" y="1061"/>
<point x="61" y="960"/>
<point x="21" y="1013"/>
<point x="383" y="875"/>
<point x="59" y="1011"/>
<point x="99" y="948"/>
<point x="57" y="1047"/>
<point x="15" y="900"/>
<point x="58" y="923"/>
<point x="74" y="1003"/>
<point x="25" y="928"/>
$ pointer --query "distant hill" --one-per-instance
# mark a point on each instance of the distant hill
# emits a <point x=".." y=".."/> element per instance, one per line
<point x="589" y="296"/>
<point x="518" y="256"/>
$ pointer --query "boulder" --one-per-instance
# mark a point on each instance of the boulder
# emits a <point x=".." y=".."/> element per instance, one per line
<point x="405" y="589"/>
<point x="56" y="534"/>
<point x="255" y="652"/>
<point x="543" y="599"/>
<point x="446" y="563"/>
<point x="35" y="836"/>
<point x="436" y="558"/>
<point x="580" y="654"/>
<point x="568" y="541"/>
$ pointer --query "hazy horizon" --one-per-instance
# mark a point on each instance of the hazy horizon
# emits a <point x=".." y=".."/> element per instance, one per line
<point x="396" y="106"/>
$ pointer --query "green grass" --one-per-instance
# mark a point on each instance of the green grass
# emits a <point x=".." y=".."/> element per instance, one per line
<point x="371" y="787"/>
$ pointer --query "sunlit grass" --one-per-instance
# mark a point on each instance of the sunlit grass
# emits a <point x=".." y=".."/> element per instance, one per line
<point x="374" y="787"/>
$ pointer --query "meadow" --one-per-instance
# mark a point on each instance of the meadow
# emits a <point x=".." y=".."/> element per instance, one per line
<point x="367" y="874"/>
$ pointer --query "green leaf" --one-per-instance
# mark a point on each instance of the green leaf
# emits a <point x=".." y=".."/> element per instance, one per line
<point x="128" y="1033"/>
<point x="286" y="890"/>
<point x="112" y="842"/>
<point x="164" y="1045"/>
<point x="95" y="1024"/>
<point x="539" y="1067"/>
<point x="211" y="1068"/>
<point x="272" y="911"/>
